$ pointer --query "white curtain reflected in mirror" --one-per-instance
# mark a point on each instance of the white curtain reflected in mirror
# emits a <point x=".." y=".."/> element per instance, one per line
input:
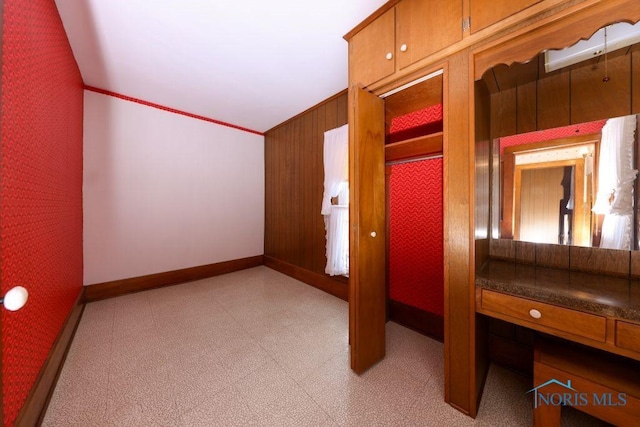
<point x="616" y="177"/>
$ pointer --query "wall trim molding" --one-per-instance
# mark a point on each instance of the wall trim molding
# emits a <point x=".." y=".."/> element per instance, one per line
<point x="37" y="401"/>
<point x="426" y="323"/>
<point x="169" y="109"/>
<point x="116" y="288"/>
<point x="338" y="287"/>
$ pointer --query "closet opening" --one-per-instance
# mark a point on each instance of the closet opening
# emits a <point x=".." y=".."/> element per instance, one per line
<point x="414" y="199"/>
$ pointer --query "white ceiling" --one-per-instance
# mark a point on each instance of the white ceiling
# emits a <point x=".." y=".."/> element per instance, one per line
<point x="251" y="63"/>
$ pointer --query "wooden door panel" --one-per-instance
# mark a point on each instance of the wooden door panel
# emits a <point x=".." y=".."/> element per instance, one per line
<point x="367" y="297"/>
<point x="425" y="27"/>
<point x="488" y="12"/>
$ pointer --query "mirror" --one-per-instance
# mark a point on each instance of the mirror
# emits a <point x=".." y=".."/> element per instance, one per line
<point x="565" y="151"/>
<point x="553" y="190"/>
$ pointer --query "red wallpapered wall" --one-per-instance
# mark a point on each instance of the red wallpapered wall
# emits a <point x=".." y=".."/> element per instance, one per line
<point x="555" y="133"/>
<point x="41" y="189"/>
<point x="416" y="254"/>
<point x="422" y="122"/>
<point x="416" y="257"/>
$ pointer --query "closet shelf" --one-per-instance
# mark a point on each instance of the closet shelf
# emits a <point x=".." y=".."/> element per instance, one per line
<point x="413" y="148"/>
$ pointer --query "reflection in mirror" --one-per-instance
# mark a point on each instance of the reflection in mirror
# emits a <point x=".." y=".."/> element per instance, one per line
<point x="571" y="186"/>
<point x="616" y="182"/>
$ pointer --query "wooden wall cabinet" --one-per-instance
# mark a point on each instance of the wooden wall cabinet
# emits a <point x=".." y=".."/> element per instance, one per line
<point x="424" y="27"/>
<point x="372" y="52"/>
<point x="488" y="12"/>
<point x="401" y="36"/>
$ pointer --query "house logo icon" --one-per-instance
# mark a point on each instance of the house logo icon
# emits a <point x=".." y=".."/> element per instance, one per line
<point x="536" y="390"/>
<point x="569" y="396"/>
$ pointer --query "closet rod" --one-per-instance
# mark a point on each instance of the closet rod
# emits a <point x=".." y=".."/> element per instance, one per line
<point x="417" y="159"/>
<point x="413" y="83"/>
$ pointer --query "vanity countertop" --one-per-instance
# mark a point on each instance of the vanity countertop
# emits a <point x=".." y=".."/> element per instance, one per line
<point x="593" y="293"/>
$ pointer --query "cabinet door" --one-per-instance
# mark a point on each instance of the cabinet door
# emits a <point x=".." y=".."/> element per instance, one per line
<point x="371" y="53"/>
<point x="424" y="27"/>
<point x="367" y="270"/>
<point x="487" y="12"/>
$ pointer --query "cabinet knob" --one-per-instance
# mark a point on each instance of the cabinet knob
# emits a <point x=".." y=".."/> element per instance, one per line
<point x="535" y="313"/>
<point x="389" y="55"/>
<point x="373" y="234"/>
<point x="403" y="48"/>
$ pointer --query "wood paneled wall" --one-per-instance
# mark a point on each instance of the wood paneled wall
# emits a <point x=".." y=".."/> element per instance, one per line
<point x="294" y="184"/>
<point x="524" y="98"/>
<point x="540" y="193"/>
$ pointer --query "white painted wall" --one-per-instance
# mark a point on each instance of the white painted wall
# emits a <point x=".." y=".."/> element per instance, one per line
<point x="163" y="191"/>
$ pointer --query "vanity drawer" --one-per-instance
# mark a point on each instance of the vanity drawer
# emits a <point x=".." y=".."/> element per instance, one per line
<point x="628" y="335"/>
<point x="538" y="313"/>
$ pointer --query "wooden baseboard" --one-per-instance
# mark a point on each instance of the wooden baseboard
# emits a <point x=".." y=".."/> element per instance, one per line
<point x="152" y="281"/>
<point x="421" y="321"/>
<point x="35" y="406"/>
<point x="336" y="286"/>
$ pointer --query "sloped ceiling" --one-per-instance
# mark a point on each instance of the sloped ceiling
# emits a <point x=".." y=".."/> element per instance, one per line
<point x="251" y="63"/>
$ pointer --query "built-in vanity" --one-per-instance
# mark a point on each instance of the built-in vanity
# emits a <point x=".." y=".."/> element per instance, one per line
<point x="593" y="308"/>
<point x="599" y="311"/>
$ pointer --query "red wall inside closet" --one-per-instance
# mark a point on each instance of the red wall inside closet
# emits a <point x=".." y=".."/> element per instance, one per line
<point x="416" y="254"/>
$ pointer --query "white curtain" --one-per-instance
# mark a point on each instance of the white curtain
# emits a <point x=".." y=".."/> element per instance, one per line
<point x="615" y="183"/>
<point x="336" y="184"/>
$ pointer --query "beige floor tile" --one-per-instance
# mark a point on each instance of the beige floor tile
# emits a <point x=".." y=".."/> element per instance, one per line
<point x="276" y="399"/>
<point x="144" y="399"/>
<point x="256" y="347"/>
<point x="347" y="398"/>
<point x="241" y="356"/>
<point x="511" y="405"/>
<point x="226" y="408"/>
<point x="415" y="354"/>
<point x="134" y="355"/>
<point x="80" y="399"/>
<point x="195" y="378"/>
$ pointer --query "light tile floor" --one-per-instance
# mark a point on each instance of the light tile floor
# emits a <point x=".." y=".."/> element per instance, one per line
<point x="256" y="347"/>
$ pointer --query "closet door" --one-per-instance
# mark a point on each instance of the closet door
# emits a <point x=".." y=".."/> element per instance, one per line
<point x="367" y="295"/>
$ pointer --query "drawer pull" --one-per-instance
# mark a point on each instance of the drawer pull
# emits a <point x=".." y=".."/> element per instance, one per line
<point x="535" y="313"/>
